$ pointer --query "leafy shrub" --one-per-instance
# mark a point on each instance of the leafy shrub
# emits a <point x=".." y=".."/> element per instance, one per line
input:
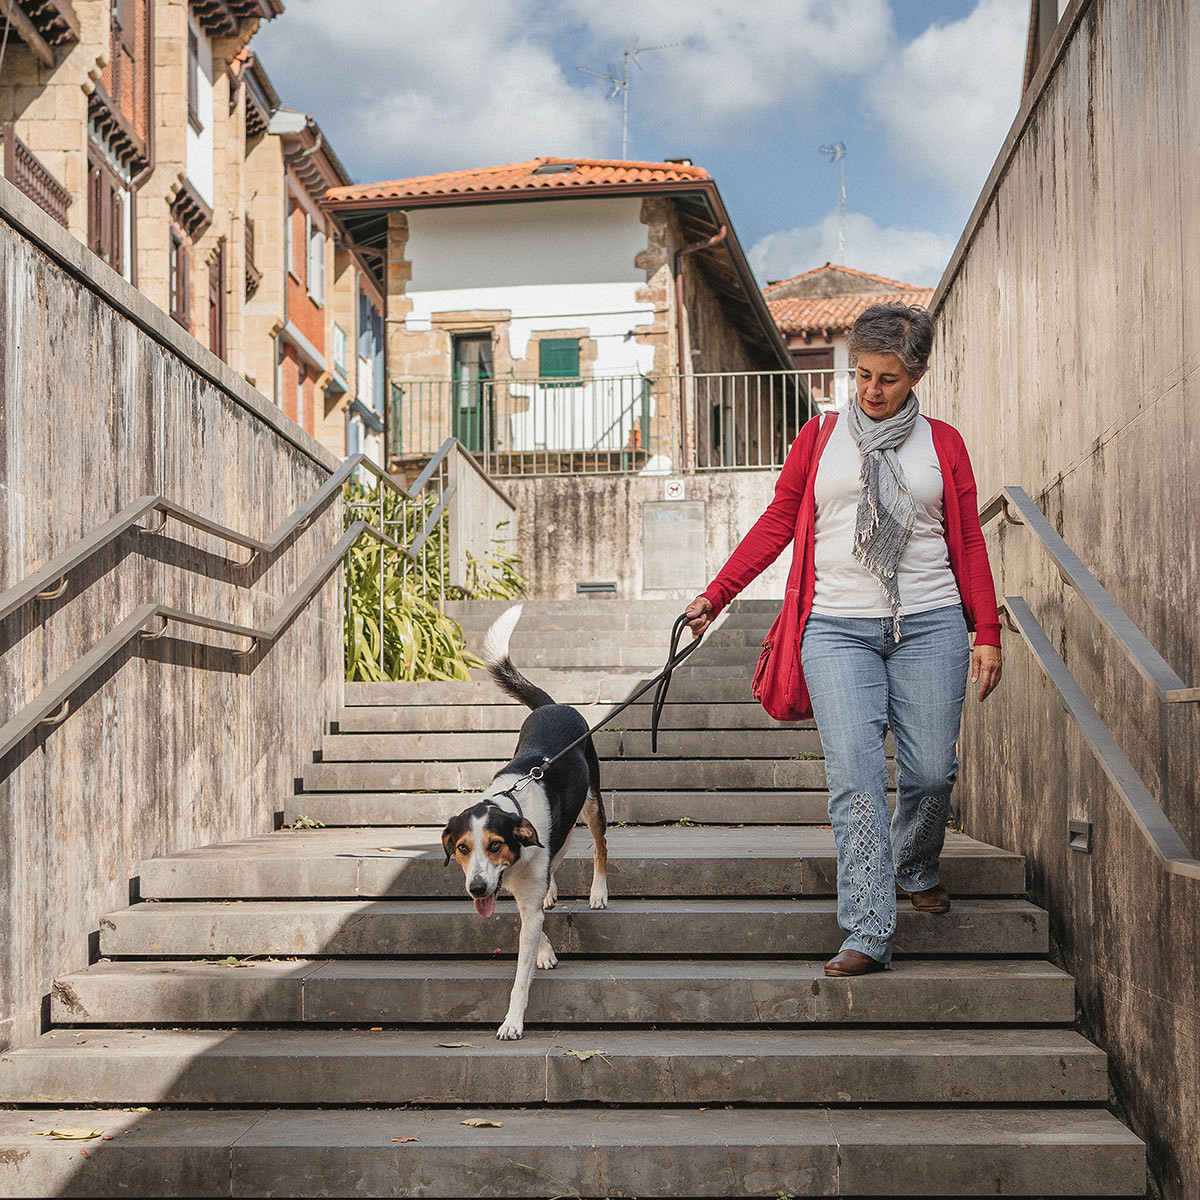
<point x="395" y="628"/>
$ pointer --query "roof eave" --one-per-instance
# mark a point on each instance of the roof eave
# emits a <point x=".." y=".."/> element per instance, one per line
<point x="515" y="195"/>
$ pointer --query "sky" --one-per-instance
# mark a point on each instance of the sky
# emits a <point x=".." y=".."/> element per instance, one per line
<point x="920" y="92"/>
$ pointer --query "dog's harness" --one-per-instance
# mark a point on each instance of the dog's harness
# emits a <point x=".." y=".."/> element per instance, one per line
<point x="663" y="679"/>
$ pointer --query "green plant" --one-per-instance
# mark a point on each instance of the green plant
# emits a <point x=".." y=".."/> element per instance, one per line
<point x="496" y="576"/>
<point x="395" y="628"/>
<point x="303" y="822"/>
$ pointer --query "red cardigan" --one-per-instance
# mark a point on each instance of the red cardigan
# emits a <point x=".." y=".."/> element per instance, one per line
<point x="792" y="514"/>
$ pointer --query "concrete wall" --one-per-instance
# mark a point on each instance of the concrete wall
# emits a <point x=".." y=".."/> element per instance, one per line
<point x="175" y="744"/>
<point x="576" y="528"/>
<point x="1066" y="353"/>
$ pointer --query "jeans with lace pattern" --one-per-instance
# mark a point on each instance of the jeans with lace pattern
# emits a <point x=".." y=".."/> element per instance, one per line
<point x="863" y="683"/>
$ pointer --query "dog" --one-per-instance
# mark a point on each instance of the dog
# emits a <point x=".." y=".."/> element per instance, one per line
<point x="518" y="830"/>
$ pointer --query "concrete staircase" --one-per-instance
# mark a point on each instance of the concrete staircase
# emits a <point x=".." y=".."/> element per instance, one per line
<point x="312" y="1012"/>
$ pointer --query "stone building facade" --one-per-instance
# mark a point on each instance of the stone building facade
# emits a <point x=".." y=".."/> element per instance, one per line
<point x="145" y="128"/>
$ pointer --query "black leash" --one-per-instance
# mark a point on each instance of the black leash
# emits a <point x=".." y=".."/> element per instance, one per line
<point x="663" y="679"/>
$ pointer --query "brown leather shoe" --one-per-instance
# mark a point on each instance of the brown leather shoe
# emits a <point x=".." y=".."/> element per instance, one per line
<point x="932" y="900"/>
<point x="853" y="962"/>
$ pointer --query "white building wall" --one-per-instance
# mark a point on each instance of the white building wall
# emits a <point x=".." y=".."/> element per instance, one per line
<point x="555" y="265"/>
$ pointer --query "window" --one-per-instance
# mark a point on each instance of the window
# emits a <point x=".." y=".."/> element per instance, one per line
<point x="180" y="283"/>
<point x="106" y="213"/>
<point x="289" y="247"/>
<point x="124" y="18"/>
<point x="558" y="359"/>
<point x="193" y="77"/>
<point x="339" y="348"/>
<point x="216" y="302"/>
<point x="315" y="273"/>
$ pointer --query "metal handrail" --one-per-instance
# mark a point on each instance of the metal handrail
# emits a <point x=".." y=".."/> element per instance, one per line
<point x="1150" y="664"/>
<point x="57" y="569"/>
<point x="54" y="698"/>
<point x="1147" y="813"/>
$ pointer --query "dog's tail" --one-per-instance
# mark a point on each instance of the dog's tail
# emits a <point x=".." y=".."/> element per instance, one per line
<point x="507" y="677"/>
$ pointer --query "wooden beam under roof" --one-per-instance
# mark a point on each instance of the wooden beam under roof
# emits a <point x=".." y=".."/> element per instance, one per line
<point x="27" y="31"/>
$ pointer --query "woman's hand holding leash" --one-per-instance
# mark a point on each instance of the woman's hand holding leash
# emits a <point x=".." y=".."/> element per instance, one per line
<point x="986" y="668"/>
<point x="699" y="615"/>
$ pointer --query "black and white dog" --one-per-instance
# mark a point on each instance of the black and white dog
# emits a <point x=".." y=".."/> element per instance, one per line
<point x="517" y="833"/>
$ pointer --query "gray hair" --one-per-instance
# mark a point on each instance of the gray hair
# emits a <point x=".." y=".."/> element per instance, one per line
<point x="901" y="329"/>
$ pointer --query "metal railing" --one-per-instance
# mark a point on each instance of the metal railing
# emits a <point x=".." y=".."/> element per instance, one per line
<point x="624" y="424"/>
<point x="150" y="621"/>
<point x="1147" y="813"/>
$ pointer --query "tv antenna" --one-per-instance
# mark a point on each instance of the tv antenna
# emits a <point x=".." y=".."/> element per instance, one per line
<point x="836" y="152"/>
<point x="620" y="83"/>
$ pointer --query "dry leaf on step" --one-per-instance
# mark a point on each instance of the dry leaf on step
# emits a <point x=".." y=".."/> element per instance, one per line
<point x="70" y="1135"/>
<point x="480" y="1123"/>
<point x="406" y="1139"/>
<point x="584" y="1055"/>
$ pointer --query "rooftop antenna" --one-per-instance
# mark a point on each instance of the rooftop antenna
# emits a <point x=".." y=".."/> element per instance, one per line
<point x="620" y="83"/>
<point x="836" y="152"/>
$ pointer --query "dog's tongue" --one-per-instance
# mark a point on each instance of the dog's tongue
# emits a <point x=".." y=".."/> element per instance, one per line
<point x="487" y="906"/>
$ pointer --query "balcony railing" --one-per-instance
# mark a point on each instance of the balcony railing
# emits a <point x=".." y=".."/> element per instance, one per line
<point x="613" y="425"/>
<point x="23" y="170"/>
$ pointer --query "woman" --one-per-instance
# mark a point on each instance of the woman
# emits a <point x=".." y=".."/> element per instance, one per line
<point x="882" y="501"/>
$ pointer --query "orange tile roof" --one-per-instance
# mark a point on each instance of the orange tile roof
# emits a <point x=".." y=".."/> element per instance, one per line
<point x="829" y="266"/>
<point x="817" y="314"/>
<point x="524" y="176"/>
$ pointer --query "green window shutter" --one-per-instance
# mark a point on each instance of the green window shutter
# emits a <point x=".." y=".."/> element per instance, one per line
<point x="558" y="358"/>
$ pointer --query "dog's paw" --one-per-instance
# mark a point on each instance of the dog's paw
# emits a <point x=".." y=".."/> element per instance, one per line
<point x="551" y="895"/>
<point x="510" y="1031"/>
<point x="546" y="958"/>
<point x="599" y="894"/>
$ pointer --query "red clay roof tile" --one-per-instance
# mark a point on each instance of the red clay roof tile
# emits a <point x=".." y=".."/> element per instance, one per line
<point x="835" y="313"/>
<point x="835" y="267"/>
<point x="523" y="176"/>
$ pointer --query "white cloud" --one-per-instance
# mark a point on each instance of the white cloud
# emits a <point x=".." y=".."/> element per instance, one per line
<point x="431" y="84"/>
<point x="909" y="255"/>
<point x="444" y="84"/>
<point x="947" y="98"/>
<point x="733" y="62"/>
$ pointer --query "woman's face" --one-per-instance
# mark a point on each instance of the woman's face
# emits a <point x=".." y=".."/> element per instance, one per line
<point x="883" y="384"/>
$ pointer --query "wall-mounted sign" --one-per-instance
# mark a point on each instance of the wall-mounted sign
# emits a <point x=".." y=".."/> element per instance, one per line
<point x="673" y="489"/>
<point x="673" y="544"/>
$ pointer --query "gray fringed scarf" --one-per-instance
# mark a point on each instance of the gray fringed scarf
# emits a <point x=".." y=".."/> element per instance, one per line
<point x="886" y="512"/>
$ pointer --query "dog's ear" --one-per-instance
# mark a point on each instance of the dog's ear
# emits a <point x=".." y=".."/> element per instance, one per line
<point x="525" y="833"/>
<point x="449" y="837"/>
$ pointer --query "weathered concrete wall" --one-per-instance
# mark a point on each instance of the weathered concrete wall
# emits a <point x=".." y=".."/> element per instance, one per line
<point x="574" y="528"/>
<point x="176" y="744"/>
<point x="1066" y="353"/>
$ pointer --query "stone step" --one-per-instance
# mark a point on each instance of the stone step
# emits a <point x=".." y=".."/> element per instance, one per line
<point x="489" y="718"/>
<point x="667" y="773"/>
<point x="567" y="687"/>
<point x="586" y="1152"/>
<point x="656" y="1066"/>
<point x="671" y="861"/>
<point x="610" y="743"/>
<point x="623" y="806"/>
<point x="652" y="639"/>
<point x="596" y="611"/>
<point x="720" y="928"/>
<point x="606" y="993"/>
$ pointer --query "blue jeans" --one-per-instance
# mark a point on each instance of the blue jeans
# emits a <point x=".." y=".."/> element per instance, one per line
<point x="862" y="683"/>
